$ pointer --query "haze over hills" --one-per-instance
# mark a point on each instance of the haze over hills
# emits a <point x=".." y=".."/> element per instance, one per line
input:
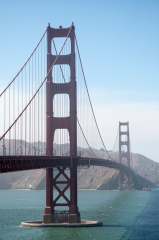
<point x="88" y="178"/>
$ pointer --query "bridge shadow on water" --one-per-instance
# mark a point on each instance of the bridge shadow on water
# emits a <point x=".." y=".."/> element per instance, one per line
<point x="131" y="215"/>
<point x="146" y="225"/>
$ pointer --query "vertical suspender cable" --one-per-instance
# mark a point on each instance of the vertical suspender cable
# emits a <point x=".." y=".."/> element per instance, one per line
<point x="38" y="95"/>
<point x="25" y="84"/>
<point x="9" y="120"/>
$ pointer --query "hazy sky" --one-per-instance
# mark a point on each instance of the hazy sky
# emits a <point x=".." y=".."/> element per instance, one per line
<point x="119" y="46"/>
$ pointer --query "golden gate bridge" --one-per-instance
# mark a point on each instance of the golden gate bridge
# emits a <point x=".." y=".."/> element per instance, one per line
<point x="47" y="118"/>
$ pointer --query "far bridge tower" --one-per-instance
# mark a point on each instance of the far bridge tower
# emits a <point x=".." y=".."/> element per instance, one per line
<point x="124" y="155"/>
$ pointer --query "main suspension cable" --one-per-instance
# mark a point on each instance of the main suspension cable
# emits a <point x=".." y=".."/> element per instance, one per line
<point x="38" y="88"/>
<point x="90" y="100"/>
<point x="24" y="63"/>
<point x="115" y="143"/>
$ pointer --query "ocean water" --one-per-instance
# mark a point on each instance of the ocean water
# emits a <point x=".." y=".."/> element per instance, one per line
<point x="125" y="215"/>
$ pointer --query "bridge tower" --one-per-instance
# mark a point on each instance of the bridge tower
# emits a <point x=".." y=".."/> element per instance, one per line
<point x="56" y="181"/>
<point x="124" y="140"/>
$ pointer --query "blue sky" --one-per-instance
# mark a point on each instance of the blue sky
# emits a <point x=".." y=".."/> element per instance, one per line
<point x="119" y="46"/>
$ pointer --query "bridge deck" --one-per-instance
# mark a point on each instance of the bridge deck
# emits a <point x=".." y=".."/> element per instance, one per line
<point x="21" y="163"/>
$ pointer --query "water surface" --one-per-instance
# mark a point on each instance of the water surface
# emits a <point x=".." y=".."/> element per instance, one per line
<point x="125" y="215"/>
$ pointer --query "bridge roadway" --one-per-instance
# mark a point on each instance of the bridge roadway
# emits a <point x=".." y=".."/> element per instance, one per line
<point x="21" y="163"/>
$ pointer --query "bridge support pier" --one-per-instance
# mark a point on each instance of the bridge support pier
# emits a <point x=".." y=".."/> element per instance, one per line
<point x="61" y="191"/>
